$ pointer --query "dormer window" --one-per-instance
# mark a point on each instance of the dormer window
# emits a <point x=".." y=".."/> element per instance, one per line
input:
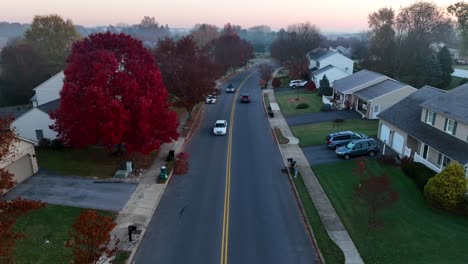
<point x="450" y="126"/>
<point x="430" y="117"/>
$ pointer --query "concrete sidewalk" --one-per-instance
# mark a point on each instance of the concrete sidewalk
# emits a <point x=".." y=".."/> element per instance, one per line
<point x="328" y="215"/>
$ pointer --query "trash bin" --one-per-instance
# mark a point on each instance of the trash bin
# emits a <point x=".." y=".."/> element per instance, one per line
<point x="170" y="156"/>
<point x="270" y="114"/>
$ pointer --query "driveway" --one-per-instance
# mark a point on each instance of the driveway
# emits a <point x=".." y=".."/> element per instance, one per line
<point x="320" y="117"/>
<point x="317" y="155"/>
<point x="73" y="191"/>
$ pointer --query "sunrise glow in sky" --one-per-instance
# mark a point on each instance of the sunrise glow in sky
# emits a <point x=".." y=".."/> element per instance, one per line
<point x="328" y="15"/>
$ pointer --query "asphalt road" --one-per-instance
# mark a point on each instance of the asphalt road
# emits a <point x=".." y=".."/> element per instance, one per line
<point x="265" y="225"/>
<point x="73" y="191"/>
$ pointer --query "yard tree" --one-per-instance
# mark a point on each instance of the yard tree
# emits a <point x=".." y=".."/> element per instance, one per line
<point x="375" y="191"/>
<point x="266" y="70"/>
<point x="188" y="72"/>
<point x="446" y="66"/>
<point x="276" y="82"/>
<point x="229" y="50"/>
<point x="22" y="70"/>
<point x="90" y="239"/>
<point x="203" y="34"/>
<point x="52" y="37"/>
<point x="460" y="11"/>
<point x="325" y="88"/>
<point x="113" y="95"/>
<point x="446" y="189"/>
<point x="10" y="210"/>
<point x="298" y="68"/>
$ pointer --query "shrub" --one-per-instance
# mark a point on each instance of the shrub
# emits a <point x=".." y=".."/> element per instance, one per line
<point x="44" y="143"/>
<point x="302" y="106"/>
<point x="326" y="107"/>
<point x="276" y="82"/>
<point x="447" y="188"/>
<point x="56" y="144"/>
<point x="418" y="172"/>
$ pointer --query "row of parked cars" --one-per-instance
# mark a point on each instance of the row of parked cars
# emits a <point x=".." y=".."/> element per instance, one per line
<point x="348" y="144"/>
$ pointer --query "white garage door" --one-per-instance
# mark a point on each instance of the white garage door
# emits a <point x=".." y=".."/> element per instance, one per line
<point x="397" y="143"/>
<point x="384" y="133"/>
<point x="21" y="169"/>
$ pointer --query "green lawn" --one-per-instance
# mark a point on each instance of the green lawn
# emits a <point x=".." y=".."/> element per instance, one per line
<point x="314" y="134"/>
<point x="89" y="162"/>
<point x="287" y="102"/>
<point x="52" y="223"/>
<point x="454" y="83"/>
<point x="412" y="233"/>
<point x="330" y="251"/>
<point x="461" y="66"/>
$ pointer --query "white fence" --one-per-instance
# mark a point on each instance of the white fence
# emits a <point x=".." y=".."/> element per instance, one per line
<point x="326" y="99"/>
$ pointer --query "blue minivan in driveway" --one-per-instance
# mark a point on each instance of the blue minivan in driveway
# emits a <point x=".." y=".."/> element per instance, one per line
<point x="359" y="147"/>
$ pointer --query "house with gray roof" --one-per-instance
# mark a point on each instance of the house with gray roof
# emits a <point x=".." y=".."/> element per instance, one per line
<point x="330" y="63"/>
<point x="369" y="93"/>
<point x="430" y="125"/>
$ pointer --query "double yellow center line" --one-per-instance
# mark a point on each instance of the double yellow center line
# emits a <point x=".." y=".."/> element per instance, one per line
<point x="227" y="190"/>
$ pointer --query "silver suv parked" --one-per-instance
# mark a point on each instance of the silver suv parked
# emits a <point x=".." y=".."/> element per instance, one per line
<point x="342" y="138"/>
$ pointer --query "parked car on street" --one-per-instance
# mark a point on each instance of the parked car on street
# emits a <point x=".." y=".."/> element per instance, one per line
<point x="297" y="83"/>
<point x="245" y="98"/>
<point x="366" y="146"/>
<point x="230" y="88"/>
<point x="341" y="138"/>
<point x="220" y="127"/>
<point x="210" y="99"/>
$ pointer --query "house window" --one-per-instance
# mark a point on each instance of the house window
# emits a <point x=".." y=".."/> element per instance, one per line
<point x="443" y="160"/>
<point x="425" y="151"/>
<point x="450" y="126"/>
<point x="430" y="117"/>
<point x="39" y="134"/>
<point x="376" y="109"/>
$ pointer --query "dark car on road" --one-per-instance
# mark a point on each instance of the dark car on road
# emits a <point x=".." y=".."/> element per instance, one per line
<point x="230" y="88"/>
<point x="342" y="138"/>
<point x="245" y="98"/>
<point x="358" y="147"/>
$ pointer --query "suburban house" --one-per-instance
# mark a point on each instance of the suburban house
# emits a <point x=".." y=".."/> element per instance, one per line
<point x="369" y="93"/>
<point x="330" y="63"/>
<point x="22" y="161"/>
<point x="430" y="125"/>
<point x="344" y="51"/>
<point x="34" y="124"/>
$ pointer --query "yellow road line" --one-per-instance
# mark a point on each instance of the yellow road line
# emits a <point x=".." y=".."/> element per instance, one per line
<point x="227" y="190"/>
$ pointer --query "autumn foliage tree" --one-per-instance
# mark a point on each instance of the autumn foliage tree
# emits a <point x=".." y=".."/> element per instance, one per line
<point x="276" y="82"/>
<point x="10" y="210"/>
<point x="266" y="70"/>
<point x="90" y="238"/>
<point x="113" y="94"/>
<point x="203" y="34"/>
<point x="188" y="72"/>
<point x="229" y="50"/>
<point x="181" y="165"/>
<point x="375" y="191"/>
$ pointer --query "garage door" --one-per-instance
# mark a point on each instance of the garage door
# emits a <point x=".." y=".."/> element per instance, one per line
<point x="397" y="143"/>
<point x="384" y="133"/>
<point x="21" y="169"/>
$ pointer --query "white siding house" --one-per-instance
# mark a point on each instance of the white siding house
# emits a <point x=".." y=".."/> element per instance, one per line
<point x="49" y="90"/>
<point x="22" y="161"/>
<point x="331" y="72"/>
<point x="330" y="63"/>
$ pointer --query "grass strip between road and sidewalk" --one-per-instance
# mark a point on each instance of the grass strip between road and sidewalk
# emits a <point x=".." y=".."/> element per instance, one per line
<point x="329" y="250"/>
<point x="279" y="135"/>
<point x="315" y="134"/>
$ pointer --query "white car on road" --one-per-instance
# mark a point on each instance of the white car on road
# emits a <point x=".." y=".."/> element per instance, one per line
<point x="220" y="127"/>
<point x="210" y="99"/>
<point x="297" y="83"/>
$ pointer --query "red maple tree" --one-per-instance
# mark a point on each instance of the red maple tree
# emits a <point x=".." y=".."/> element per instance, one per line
<point x="113" y="94"/>
<point x="276" y="82"/>
<point x="375" y="190"/>
<point x="90" y="238"/>
<point x="229" y="50"/>
<point x="10" y="210"/>
<point x="188" y="72"/>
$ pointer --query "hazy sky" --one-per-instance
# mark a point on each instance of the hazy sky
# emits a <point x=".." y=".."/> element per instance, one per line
<point x="328" y="15"/>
